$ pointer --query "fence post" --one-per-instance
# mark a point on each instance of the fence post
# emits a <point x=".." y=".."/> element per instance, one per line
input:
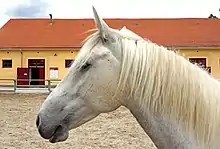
<point x="49" y="86"/>
<point x="15" y="85"/>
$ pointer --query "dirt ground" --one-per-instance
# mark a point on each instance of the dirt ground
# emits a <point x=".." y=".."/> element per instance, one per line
<point x="115" y="130"/>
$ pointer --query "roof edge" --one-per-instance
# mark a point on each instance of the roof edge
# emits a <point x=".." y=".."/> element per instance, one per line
<point x="77" y="47"/>
<point x="38" y="48"/>
<point x="115" y="18"/>
<point x="193" y="47"/>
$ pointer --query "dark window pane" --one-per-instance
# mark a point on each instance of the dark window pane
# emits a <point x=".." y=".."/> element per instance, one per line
<point x="199" y="61"/>
<point x="68" y="63"/>
<point x="6" y="63"/>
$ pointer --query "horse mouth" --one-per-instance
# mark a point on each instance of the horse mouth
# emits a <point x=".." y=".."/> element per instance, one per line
<point x="61" y="134"/>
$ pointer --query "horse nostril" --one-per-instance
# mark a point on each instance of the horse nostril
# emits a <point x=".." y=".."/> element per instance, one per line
<point x="38" y="120"/>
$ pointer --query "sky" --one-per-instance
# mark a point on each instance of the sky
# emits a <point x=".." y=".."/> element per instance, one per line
<point x="108" y="9"/>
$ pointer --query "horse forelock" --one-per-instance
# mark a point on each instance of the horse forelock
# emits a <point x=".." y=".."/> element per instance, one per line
<point x="85" y="51"/>
<point x="93" y="39"/>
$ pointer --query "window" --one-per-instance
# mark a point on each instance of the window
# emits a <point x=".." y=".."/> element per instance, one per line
<point x="6" y="63"/>
<point x="199" y="61"/>
<point x="68" y="63"/>
<point x="36" y="63"/>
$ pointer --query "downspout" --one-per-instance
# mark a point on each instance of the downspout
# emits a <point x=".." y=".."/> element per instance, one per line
<point x="21" y="58"/>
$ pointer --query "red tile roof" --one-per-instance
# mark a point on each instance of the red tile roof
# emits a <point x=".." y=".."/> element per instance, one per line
<point x="24" y="33"/>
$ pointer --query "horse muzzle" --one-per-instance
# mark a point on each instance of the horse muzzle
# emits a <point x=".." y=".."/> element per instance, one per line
<point x="55" y="132"/>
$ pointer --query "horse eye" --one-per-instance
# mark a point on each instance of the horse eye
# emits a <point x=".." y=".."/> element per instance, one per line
<point x="85" y="66"/>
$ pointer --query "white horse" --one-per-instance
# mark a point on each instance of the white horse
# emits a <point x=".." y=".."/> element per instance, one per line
<point x="174" y="101"/>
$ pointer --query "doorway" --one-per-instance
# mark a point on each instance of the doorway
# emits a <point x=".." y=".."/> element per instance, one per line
<point x="34" y="76"/>
<point x="36" y="71"/>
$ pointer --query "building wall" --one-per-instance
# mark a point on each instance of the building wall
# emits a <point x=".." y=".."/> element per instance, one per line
<point x="21" y="60"/>
<point x="212" y="58"/>
<point x="9" y="73"/>
<point x="53" y="58"/>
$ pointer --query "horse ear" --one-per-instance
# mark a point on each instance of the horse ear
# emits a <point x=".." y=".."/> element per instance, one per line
<point x="100" y="24"/>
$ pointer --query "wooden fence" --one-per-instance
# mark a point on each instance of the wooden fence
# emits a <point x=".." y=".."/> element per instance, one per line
<point x="11" y="85"/>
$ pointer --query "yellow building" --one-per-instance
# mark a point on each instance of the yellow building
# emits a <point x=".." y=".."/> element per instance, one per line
<point x="28" y="64"/>
<point x="33" y="49"/>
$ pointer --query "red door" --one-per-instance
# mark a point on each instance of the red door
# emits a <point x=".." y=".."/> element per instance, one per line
<point x="41" y="76"/>
<point x="22" y="76"/>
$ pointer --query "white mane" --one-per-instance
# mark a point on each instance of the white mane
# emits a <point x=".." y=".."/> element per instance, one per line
<point x="166" y="83"/>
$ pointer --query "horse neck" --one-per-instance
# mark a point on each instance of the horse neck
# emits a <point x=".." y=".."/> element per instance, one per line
<point x="163" y="133"/>
<point x="167" y="133"/>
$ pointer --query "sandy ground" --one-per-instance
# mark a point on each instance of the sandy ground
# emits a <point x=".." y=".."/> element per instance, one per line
<point x="115" y="130"/>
